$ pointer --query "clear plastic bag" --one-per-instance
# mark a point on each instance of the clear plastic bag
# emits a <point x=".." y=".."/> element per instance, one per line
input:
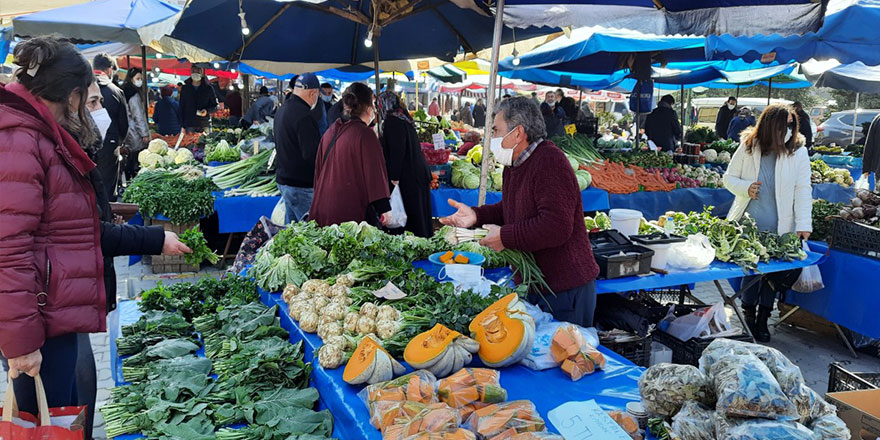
<point x="383" y="399"/>
<point x="470" y="389"/>
<point x="398" y="213"/>
<point x="759" y="429"/>
<point x="627" y="423"/>
<point x="830" y="427"/>
<point x="787" y="374"/>
<point x="746" y="388"/>
<point x="666" y="387"/>
<point x="540" y="358"/>
<point x="695" y="253"/>
<point x="695" y="421"/>
<point x="862" y="183"/>
<point x="455" y="434"/>
<point x="503" y="420"/>
<point x="810" y="279"/>
<point x="436" y="417"/>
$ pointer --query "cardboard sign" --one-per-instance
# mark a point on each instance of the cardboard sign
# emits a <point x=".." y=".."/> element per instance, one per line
<point x="423" y="65"/>
<point x="585" y="421"/>
<point x="768" y="57"/>
<point x="439" y="141"/>
<point x="571" y="129"/>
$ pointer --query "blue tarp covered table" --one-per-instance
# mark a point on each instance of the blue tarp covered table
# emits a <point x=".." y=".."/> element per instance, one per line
<point x="241" y="213"/>
<point x="833" y="192"/>
<point x="593" y="199"/>
<point x="653" y="204"/>
<point x="851" y="296"/>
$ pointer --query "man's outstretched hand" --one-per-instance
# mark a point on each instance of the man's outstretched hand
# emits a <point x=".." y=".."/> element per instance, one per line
<point x="465" y="217"/>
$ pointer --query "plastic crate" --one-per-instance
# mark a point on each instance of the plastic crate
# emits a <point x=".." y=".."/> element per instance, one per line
<point x="689" y="352"/>
<point x="839" y="379"/>
<point x="587" y="126"/>
<point x="636" y="351"/>
<point x="613" y="265"/>
<point x="443" y="171"/>
<point x="855" y="238"/>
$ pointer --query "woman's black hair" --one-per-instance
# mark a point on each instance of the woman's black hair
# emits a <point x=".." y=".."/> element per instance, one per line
<point x="356" y="99"/>
<point x="128" y="85"/>
<point x="52" y="69"/>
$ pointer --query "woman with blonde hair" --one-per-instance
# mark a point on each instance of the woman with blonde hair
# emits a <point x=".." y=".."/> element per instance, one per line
<point x="770" y="176"/>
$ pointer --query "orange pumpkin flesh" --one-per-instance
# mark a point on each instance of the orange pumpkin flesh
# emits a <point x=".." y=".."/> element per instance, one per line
<point x="429" y="345"/>
<point x="364" y="356"/>
<point x="500" y="331"/>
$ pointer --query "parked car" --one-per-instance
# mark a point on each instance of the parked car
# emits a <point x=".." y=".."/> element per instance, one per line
<point x="839" y="126"/>
<point x="707" y="108"/>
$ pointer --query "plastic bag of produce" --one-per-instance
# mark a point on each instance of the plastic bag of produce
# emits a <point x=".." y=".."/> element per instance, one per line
<point x="810" y="279"/>
<point x="862" y="183"/>
<point x="503" y="420"/>
<point x="436" y="417"/>
<point x="695" y="421"/>
<point x="398" y="213"/>
<point x="746" y="388"/>
<point x="666" y="387"/>
<point x="759" y="429"/>
<point x="471" y="388"/>
<point x="384" y="397"/>
<point x="787" y="374"/>
<point x="455" y="434"/>
<point x="695" y="253"/>
<point x="829" y="427"/>
<point x="702" y="323"/>
<point x="627" y="423"/>
<point x="540" y="358"/>
<point x="537" y="436"/>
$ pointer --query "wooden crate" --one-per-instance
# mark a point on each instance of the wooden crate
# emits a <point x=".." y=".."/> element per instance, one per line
<point x="171" y="263"/>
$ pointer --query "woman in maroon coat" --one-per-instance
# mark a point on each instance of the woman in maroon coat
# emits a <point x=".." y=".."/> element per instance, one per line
<point x="351" y="182"/>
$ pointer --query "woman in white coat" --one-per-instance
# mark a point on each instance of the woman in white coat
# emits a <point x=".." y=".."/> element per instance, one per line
<point x="770" y="176"/>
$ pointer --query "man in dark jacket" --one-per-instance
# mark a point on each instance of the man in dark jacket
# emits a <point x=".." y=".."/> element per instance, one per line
<point x="233" y="103"/>
<point x="114" y="101"/>
<point x="166" y="114"/>
<point x="871" y="159"/>
<point x="662" y="124"/>
<point x="552" y="113"/>
<point x="262" y="109"/>
<point x="743" y="120"/>
<point x="335" y="112"/>
<point x="805" y="126"/>
<point x="296" y="143"/>
<point x="725" y="114"/>
<point x="321" y="111"/>
<point x="197" y="101"/>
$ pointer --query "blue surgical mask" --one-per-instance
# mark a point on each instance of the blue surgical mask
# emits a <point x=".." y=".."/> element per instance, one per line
<point x="326" y="98"/>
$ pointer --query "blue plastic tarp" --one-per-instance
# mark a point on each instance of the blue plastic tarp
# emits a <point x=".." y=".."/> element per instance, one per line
<point x="654" y="204"/>
<point x="240" y="214"/>
<point x="593" y="199"/>
<point x="855" y="77"/>
<point x="833" y="192"/>
<point x="849" y="34"/>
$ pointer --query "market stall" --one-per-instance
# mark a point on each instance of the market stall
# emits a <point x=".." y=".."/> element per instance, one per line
<point x="593" y="199"/>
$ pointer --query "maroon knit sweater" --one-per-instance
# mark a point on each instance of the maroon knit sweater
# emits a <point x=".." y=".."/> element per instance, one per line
<point x="541" y="212"/>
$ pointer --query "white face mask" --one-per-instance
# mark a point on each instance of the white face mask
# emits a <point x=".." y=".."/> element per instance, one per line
<point x="102" y="120"/>
<point x="504" y="156"/>
<point x="314" y="104"/>
<point x="731" y="106"/>
<point x="196" y="76"/>
<point x="463" y="273"/>
<point x="787" y="135"/>
<point x="137" y="83"/>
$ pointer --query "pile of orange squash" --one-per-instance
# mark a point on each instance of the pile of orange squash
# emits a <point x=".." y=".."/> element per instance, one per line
<point x="472" y="388"/>
<point x="503" y="421"/>
<point x="385" y="399"/>
<point x="577" y="356"/>
<point x="433" y="418"/>
<point x="450" y="258"/>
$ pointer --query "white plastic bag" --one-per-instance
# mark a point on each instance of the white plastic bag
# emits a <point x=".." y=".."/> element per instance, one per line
<point x="540" y="358"/>
<point x="702" y="323"/>
<point x="398" y="214"/>
<point x="810" y="279"/>
<point x="862" y="183"/>
<point x="695" y="253"/>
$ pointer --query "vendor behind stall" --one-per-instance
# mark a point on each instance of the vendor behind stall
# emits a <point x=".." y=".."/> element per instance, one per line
<point x="540" y="212"/>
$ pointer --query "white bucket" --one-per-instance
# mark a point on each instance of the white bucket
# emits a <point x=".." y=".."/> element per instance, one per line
<point x="626" y="221"/>
<point x="658" y="261"/>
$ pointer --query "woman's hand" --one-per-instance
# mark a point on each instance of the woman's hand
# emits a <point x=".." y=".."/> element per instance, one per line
<point x="465" y="217"/>
<point x="385" y="218"/>
<point x="493" y="238"/>
<point x="755" y="190"/>
<point x="804" y="235"/>
<point x="173" y="245"/>
<point x="28" y="364"/>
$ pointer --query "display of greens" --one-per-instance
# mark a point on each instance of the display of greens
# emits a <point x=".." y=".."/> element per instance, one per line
<point x="222" y="152"/>
<point x="820" y="172"/>
<point x="578" y="146"/>
<point x="823" y="211"/>
<point x="701" y="135"/>
<point x="249" y="176"/>
<point x="200" y="251"/>
<point x="262" y="379"/>
<point x="644" y="159"/>
<point x="181" y="195"/>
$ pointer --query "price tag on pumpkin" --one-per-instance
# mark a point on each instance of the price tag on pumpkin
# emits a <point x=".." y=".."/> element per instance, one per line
<point x="571" y="129"/>
<point x="439" y="141"/>
<point x="585" y="421"/>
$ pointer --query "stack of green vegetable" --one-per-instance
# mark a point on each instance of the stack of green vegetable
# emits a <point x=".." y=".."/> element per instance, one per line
<point x="222" y="152"/>
<point x="199" y="246"/>
<point x="701" y="135"/>
<point x="157" y="155"/>
<point x="261" y="388"/>
<point x="728" y="146"/>
<point x="467" y="176"/>
<point x="644" y="159"/>
<point x="248" y="177"/>
<point x="820" y="172"/>
<point x="578" y="147"/>
<point x="182" y="195"/>
<point x="609" y="144"/>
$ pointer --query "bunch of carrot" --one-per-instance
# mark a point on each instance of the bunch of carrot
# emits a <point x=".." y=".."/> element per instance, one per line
<point x="618" y="179"/>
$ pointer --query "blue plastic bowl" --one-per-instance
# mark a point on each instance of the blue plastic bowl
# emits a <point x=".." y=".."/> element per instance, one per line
<point x="473" y="258"/>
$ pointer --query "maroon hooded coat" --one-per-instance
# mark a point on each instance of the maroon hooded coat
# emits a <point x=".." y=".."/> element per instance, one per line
<point x="51" y="266"/>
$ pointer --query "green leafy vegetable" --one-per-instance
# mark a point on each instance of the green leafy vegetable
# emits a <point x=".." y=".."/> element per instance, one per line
<point x="200" y="251"/>
<point x="165" y="193"/>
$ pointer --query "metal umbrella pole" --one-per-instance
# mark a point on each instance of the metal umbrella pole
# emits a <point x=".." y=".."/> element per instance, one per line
<point x="490" y="99"/>
<point x="769" y="90"/>
<point x="855" y="119"/>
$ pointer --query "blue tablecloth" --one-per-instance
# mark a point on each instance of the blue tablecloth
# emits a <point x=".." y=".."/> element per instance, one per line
<point x="851" y="296"/>
<point x="655" y="203"/>
<point x="240" y="214"/>
<point x="833" y="192"/>
<point x="593" y="199"/>
<point x="856" y="172"/>
<point x="839" y="160"/>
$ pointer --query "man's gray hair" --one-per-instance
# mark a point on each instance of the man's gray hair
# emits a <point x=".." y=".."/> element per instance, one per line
<point x="523" y="111"/>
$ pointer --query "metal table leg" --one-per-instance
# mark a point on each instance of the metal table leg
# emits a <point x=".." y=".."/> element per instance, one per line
<point x="731" y="301"/>
<point x="787" y="315"/>
<point x="225" y="251"/>
<point x="849" y="346"/>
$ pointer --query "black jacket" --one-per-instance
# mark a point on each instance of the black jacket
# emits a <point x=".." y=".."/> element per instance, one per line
<point x="663" y="128"/>
<point x="722" y="121"/>
<point x="405" y="162"/>
<point x="479" y="115"/>
<point x="105" y="157"/>
<point x="805" y="128"/>
<point x="334" y="112"/>
<point x="296" y="143"/>
<point x="871" y="160"/>
<point x="193" y="99"/>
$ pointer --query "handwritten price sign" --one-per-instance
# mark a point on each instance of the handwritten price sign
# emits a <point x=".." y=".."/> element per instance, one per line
<point x="585" y="421"/>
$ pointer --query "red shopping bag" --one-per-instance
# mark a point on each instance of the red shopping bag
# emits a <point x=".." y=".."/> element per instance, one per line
<point x="64" y="423"/>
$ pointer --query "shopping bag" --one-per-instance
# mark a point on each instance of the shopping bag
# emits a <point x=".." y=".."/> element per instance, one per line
<point x="702" y="323"/>
<point x="862" y="183"/>
<point x="810" y="279"/>
<point x="398" y="214"/>
<point x="65" y="423"/>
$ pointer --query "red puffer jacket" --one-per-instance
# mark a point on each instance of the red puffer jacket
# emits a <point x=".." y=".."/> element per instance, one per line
<point x="51" y="267"/>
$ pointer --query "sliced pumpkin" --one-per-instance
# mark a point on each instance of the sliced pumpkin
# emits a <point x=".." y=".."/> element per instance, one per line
<point x="461" y="259"/>
<point x="578" y="366"/>
<point x="567" y="342"/>
<point x="370" y="363"/>
<point x="505" y="332"/>
<point x="426" y="348"/>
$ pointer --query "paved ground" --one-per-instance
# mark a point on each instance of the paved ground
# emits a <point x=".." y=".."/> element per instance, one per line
<point x="811" y="352"/>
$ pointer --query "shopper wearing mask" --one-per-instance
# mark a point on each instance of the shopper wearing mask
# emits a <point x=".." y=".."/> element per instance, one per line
<point x="540" y="212"/>
<point x="804" y="123"/>
<point x="167" y="113"/>
<point x="769" y="175"/>
<point x="743" y="120"/>
<point x="662" y="125"/>
<point x="197" y="101"/>
<point x="296" y="144"/>
<point x="406" y="164"/>
<point x="351" y="183"/>
<point x="725" y="114"/>
<point x="467" y="116"/>
<point x="138" y="127"/>
<point x="114" y="101"/>
<point x="55" y="284"/>
<point x="553" y="114"/>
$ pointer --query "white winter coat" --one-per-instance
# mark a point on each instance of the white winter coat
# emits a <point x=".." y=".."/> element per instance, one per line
<point x="794" y="192"/>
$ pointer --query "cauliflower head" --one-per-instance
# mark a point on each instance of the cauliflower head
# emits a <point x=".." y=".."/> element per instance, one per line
<point x="158" y="146"/>
<point x="183" y="156"/>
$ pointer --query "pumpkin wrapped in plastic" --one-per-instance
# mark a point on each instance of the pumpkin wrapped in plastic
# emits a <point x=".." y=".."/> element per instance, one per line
<point x="416" y="387"/>
<point x="436" y="417"/>
<point x="505" y="332"/>
<point x="455" y="434"/>
<point x="504" y="420"/>
<point x="577" y="356"/>
<point x="440" y="350"/>
<point x="537" y="436"/>
<point x="627" y="423"/>
<point x="470" y="389"/>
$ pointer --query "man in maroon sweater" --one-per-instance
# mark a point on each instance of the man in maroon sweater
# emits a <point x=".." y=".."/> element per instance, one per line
<point x="540" y="212"/>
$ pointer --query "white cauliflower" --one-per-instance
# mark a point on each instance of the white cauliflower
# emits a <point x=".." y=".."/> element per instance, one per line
<point x="149" y="159"/>
<point x="158" y="146"/>
<point x="711" y="155"/>
<point x="183" y="156"/>
<point x="723" y="157"/>
<point x="330" y="356"/>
